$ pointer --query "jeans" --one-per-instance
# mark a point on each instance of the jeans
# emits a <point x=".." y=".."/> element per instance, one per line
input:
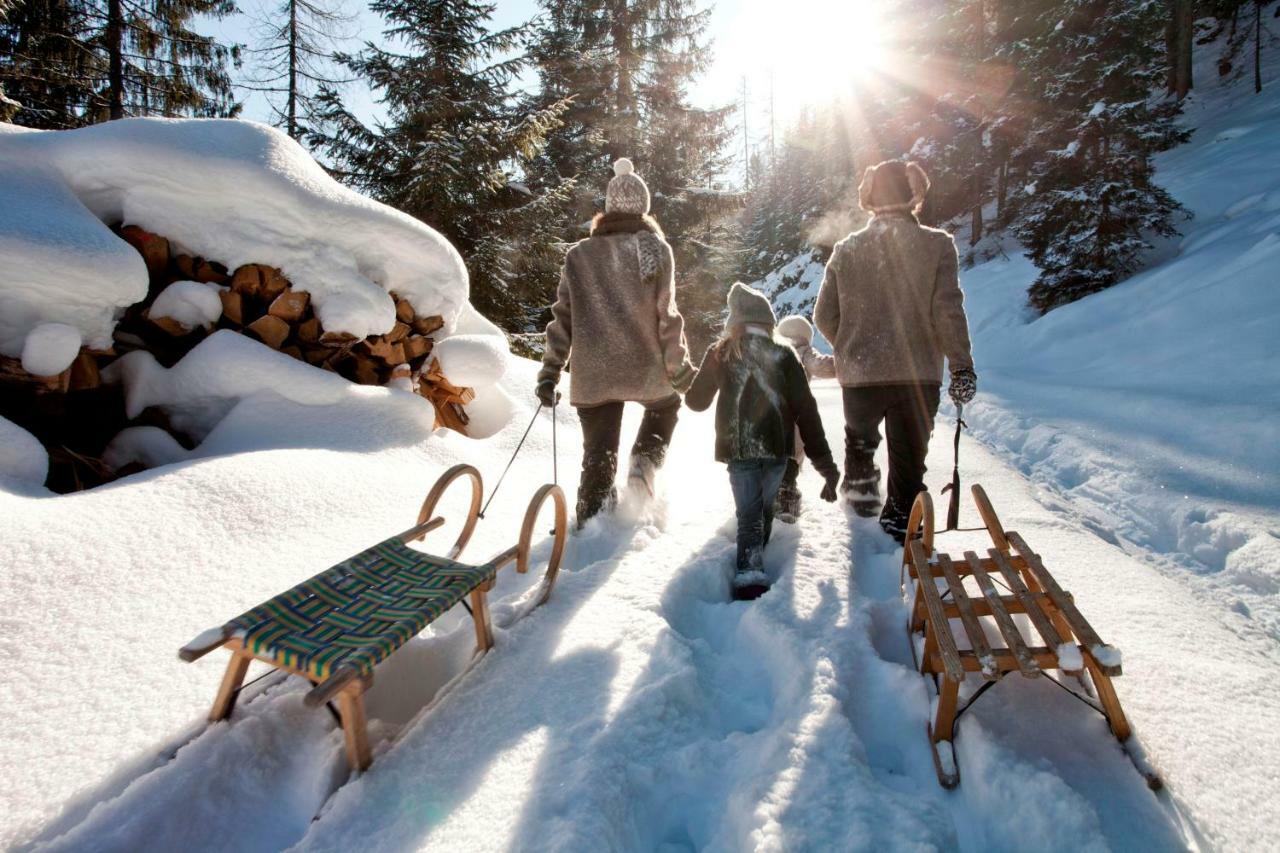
<point x="907" y="412"/>
<point x="601" y="434"/>
<point x="755" y="484"/>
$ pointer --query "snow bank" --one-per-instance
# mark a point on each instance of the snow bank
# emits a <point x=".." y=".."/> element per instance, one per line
<point x="221" y="370"/>
<point x="234" y="191"/>
<point x="473" y="361"/>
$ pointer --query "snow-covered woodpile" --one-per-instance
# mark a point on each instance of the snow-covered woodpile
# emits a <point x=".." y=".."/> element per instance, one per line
<point x="189" y="298"/>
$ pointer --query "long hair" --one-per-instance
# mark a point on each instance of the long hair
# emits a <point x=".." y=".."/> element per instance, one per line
<point x="732" y="340"/>
<point x="619" y="223"/>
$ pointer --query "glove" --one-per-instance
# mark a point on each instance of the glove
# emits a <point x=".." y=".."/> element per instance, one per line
<point x="964" y="384"/>
<point x="831" y="474"/>
<point x="547" y="393"/>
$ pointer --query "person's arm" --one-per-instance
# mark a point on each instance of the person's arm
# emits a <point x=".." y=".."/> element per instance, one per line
<point x="559" y="332"/>
<point x="949" y="322"/>
<point x="675" y="350"/>
<point x="819" y="365"/>
<point x="826" y="313"/>
<point x="808" y="419"/>
<point x="707" y="383"/>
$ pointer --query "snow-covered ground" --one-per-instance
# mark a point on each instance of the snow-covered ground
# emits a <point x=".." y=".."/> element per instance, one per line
<point x="637" y="710"/>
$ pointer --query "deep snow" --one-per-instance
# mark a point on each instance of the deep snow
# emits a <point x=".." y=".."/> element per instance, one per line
<point x="637" y="710"/>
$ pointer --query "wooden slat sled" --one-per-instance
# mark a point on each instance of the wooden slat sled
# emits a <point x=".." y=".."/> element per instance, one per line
<point x="959" y="622"/>
<point x="335" y="628"/>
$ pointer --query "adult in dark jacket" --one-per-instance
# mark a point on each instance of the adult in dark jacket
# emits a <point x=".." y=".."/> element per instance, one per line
<point x="891" y="306"/>
<point x="615" y="316"/>
<point x="764" y="398"/>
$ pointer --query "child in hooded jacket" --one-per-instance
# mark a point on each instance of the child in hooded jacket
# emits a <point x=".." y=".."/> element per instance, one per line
<point x="764" y="398"/>
<point x="798" y="331"/>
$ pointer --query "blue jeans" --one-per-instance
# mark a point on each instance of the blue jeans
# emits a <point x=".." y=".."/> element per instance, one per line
<point x="755" y="484"/>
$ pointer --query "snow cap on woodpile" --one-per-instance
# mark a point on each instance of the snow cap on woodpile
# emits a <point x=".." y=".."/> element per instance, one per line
<point x="235" y="191"/>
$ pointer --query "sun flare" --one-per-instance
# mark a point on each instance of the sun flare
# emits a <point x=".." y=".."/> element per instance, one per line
<point x="812" y="49"/>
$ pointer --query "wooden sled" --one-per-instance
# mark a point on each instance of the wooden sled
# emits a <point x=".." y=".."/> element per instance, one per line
<point x="336" y="627"/>
<point x="1066" y="641"/>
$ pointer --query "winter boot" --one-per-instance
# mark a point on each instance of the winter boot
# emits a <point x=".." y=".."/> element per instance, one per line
<point x="641" y="476"/>
<point x="862" y="494"/>
<point x="749" y="581"/>
<point x="894" y="521"/>
<point x="786" y="508"/>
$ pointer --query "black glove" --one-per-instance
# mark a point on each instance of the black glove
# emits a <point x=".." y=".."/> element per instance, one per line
<point x="547" y="393"/>
<point x="831" y="474"/>
<point x="964" y="384"/>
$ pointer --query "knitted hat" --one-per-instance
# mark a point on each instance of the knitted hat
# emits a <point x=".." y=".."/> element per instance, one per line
<point x="796" y="328"/>
<point x="893" y="186"/>
<point x="627" y="192"/>
<point x="749" y="306"/>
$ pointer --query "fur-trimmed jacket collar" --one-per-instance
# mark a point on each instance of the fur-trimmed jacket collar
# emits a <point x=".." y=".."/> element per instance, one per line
<point x="624" y="223"/>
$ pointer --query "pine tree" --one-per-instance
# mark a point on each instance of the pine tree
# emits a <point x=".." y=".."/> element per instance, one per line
<point x="452" y="140"/>
<point x="294" y="59"/>
<point x="624" y="66"/>
<point x="1094" y="204"/>
<point x="75" y="62"/>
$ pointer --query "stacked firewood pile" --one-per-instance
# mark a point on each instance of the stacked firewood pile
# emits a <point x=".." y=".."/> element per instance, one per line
<point x="76" y="415"/>
<point x="259" y="301"/>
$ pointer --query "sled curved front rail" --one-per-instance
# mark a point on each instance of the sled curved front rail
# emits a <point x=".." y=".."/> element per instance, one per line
<point x="336" y="627"/>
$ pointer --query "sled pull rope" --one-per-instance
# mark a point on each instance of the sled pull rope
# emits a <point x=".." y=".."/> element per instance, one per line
<point x="953" y="506"/>
<point x="520" y="447"/>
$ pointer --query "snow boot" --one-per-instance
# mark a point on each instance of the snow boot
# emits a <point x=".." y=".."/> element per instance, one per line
<point x="642" y="475"/>
<point x="862" y="495"/>
<point x="786" y="507"/>
<point x="749" y="581"/>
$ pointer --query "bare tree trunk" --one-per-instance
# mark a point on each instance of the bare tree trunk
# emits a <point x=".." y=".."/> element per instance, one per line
<point x="621" y="140"/>
<point x="1257" y="45"/>
<point x="1002" y="189"/>
<point x="1179" y="29"/>
<point x="292" y="106"/>
<point x="1183" y="83"/>
<point x="115" y="59"/>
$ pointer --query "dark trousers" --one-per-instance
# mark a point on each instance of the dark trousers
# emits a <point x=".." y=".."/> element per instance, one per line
<point x="907" y="412"/>
<point x="755" y="484"/>
<point x="601" y="434"/>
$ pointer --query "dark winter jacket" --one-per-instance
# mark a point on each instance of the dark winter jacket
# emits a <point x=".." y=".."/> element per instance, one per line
<point x="616" y="324"/>
<point x="891" y="305"/>
<point x="764" y="397"/>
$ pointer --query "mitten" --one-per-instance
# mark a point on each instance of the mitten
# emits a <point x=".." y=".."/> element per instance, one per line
<point x="547" y="393"/>
<point x="964" y="384"/>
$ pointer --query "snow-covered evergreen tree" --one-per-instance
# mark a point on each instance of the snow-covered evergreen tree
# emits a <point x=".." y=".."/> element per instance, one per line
<point x="625" y="67"/>
<point x="1094" y="68"/>
<point x="75" y="62"/>
<point x="451" y="146"/>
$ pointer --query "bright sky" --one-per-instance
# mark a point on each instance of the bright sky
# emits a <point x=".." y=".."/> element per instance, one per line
<point x="800" y="51"/>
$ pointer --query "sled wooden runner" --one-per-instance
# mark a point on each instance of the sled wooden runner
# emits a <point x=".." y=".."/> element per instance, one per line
<point x="961" y="606"/>
<point x="336" y="627"/>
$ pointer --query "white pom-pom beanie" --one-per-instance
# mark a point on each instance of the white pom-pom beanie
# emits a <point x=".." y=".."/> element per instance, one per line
<point x="627" y="192"/>
<point x="796" y="328"/>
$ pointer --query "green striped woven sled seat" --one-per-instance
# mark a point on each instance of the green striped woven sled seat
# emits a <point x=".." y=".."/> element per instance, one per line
<point x="355" y="614"/>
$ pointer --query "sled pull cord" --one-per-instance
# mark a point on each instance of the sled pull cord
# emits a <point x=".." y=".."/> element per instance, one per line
<point x="519" y="447"/>
<point x="953" y="506"/>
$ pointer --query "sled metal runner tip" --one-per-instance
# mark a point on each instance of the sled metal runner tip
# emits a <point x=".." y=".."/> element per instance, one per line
<point x="947" y="615"/>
